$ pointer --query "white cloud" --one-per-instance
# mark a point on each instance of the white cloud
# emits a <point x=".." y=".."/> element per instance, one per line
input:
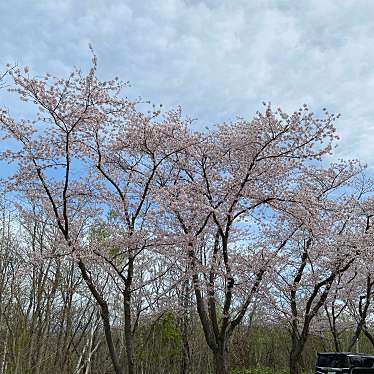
<point x="216" y="59"/>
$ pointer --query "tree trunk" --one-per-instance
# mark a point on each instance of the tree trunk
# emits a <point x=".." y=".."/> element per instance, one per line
<point x="128" y="333"/>
<point x="127" y="317"/>
<point x="369" y="335"/>
<point x="109" y="340"/>
<point x="186" y="352"/>
<point x="296" y="358"/>
<point x="104" y="313"/>
<point x="221" y="362"/>
<point x="336" y="341"/>
<point x="363" y="312"/>
<point x="183" y="324"/>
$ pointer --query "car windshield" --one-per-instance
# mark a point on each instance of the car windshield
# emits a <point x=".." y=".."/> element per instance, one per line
<point x="333" y="361"/>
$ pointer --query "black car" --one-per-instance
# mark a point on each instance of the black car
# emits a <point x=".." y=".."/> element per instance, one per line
<point x="344" y="362"/>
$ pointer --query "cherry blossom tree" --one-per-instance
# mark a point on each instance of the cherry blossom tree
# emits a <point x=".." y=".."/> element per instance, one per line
<point x="228" y="188"/>
<point x="147" y="207"/>
<point x="52" y="154"/>
<point x="360" y="300"/>
<point x="337" y="317"/>
<point x="93" y="161"/>
<point x="328" y="245"/>
<point x="47" y="164"/>
<point x="127" y="158"/>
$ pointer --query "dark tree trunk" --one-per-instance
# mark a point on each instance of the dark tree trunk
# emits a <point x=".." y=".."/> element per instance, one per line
<point x="186" y="352"/>
<point x="128" y="319"/>
<point x="128" y="334"/>
<point x="104" y="312"/>
<point x="297" y="349"/>
<point x="363" y="308"/>
<point x="221" y="361"/>
<point x="368" y="335"/>
<point x="296" y="358"/>
<point x="109" y="340"/>
<point x="184" y="328"/>
<point x="332" y="323"/>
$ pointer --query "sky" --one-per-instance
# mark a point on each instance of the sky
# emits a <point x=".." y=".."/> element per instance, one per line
<point x="217" y="59"/>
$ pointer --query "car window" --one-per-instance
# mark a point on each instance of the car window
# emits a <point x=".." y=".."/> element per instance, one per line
<point x="367" y="362"/>
<point x="333" y="361"/>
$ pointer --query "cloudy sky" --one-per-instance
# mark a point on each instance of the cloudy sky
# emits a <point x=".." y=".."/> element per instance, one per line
<point x="217" y="59"/>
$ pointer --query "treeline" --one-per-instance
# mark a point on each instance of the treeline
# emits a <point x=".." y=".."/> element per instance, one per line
<point x="131" y="243"/>
<point x="49" y="324"/>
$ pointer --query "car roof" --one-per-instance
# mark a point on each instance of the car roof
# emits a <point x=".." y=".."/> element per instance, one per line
<point x="346" y="354"/>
